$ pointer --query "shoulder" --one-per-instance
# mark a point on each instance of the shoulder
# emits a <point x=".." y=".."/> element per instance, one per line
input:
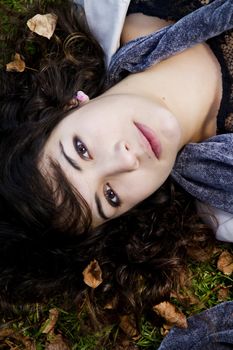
<point x="138" y="24"/>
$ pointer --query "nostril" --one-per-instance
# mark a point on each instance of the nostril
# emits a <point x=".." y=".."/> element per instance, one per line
<point x="127" y="146"/>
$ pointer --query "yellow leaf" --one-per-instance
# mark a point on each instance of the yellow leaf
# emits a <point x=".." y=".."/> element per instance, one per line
<point x="50" y="323"/>
<point x="17" y="65"/>
<point x="92" y="274"/>
<point x="43" y="25"/>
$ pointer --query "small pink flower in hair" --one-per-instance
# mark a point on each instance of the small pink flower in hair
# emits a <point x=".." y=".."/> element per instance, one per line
<point x="81" y="97"/>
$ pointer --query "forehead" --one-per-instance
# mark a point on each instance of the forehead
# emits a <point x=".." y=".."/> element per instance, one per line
<point x="98" y="112"/>
<point x="110" y="103"/>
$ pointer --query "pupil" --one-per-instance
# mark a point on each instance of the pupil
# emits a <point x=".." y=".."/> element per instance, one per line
<point x="111" y="194"/>
<point x="82" y="149"/>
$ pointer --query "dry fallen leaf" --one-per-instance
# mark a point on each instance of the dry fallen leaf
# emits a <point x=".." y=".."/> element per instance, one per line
<point x="17" y="65"/>
<point x="128" y="325"/>
<point x="8" y="334"/>
<point x="50" y="323"/>
<point x="223" y="293"/>
<point x="225" y="263"/>
<point x="92" y="274"/>
<point x="171" y="314"/>
<point x="43" y="25"/>
<point x="57" y="343"/>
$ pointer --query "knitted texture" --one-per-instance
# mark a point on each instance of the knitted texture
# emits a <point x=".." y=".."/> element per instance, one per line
<point x="204" y="23"/>
<point x="205" y="171"/>
<point x="210" y="330"/>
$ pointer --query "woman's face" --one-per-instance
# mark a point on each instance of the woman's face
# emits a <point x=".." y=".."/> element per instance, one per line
<point x="116" y="151"/>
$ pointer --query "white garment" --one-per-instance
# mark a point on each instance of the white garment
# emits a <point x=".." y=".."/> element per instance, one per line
<point x="220" y="221"/>
<point x="106" y="19"/>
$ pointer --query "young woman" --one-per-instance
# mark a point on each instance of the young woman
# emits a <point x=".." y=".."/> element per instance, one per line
<point x="195" y="96"/>
<point x="73" y="183"/>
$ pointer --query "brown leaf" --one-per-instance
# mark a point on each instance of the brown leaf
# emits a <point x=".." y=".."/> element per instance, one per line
<point x="17" y="65"/>
<point x="225" y="263"/>
<point x="57" y="343"/>
<point x="128" y="325"/>
<point x="92" y="274"/>
<point x="223" y="293"/>
<point x="50" y="323"/>
<point x="171" y="314"/>
<point x="11" y="334"/>
<point x="43" y="25"/>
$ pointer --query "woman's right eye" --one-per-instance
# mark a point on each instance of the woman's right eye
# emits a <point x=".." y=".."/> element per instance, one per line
<point x="81" y="149"/>
<point x="111" y="196"/>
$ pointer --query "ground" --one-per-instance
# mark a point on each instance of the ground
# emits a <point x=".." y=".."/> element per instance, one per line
<point x="55" y="327"/>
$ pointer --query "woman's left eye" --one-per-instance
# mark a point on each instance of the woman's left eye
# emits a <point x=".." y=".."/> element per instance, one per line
<point x="81" y="149"/>
<point x="111" y="196"/>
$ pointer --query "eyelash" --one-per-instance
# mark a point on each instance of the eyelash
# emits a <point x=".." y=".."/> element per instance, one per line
<point x="108" y="191"/>
<point x="77" y="143"/>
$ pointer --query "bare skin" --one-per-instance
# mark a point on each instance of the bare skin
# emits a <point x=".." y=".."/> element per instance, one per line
<point x="178" y="99"/>
<point x="189" y="82"/>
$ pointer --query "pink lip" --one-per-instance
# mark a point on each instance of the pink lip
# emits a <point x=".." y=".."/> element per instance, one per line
<point x="151" y="138"/>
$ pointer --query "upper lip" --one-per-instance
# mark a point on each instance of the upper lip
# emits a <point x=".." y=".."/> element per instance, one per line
<point x="151" y="138"/>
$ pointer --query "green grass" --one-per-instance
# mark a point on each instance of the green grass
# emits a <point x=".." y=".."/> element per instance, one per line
<point x="76" y="328"/>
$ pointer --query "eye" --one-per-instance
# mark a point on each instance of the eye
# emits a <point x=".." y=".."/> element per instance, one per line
<point x="111" y="196"/>
<point x="81" y="149"/>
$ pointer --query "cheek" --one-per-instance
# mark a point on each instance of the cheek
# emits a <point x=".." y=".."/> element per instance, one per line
<point x="138" y="187"/>
<point x="142" y="185"/>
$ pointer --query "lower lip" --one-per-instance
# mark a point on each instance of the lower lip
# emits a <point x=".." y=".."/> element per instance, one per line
<point x="151" y="139"/>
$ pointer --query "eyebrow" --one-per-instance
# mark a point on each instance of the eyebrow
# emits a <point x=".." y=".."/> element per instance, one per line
<point x="71" y="161"/>
<point x="75" y="165"/>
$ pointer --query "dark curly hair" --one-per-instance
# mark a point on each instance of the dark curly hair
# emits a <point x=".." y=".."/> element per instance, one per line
<point x="44" y="246"/>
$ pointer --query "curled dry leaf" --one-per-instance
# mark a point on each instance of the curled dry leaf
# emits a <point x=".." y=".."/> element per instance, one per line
<point x="128" y="325"/>
<point x="50" y="323"/>
<point x="92" y="274"/>
<point x="57" y="343"/>
<point x="225" y="263"/>
<point x="171" y="314"/>
<point x="10" y="334"/>
<point x="17" y="65"/>
<point x="43" y="25"/>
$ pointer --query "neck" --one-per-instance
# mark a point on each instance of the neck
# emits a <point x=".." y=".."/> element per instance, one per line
<point x="188" y="84"/>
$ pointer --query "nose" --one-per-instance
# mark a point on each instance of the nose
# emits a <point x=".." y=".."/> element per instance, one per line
<point x="125" y="159"/>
